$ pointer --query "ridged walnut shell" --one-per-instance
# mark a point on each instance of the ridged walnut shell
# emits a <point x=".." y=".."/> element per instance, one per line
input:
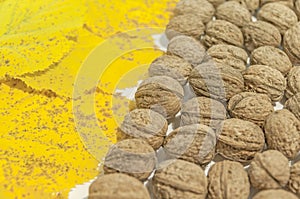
<point x="251" y="5"/>
<point x="233" y="12"/>
<point x="161" y="94"/>
<point x="229" y="55"/>
<point x="134" y="157"/>
<point x="203" y="110"/>
<point x="294" y="182"/>
<point x="293" y="105"/>
<point x="266" y="80"/>
<point x="202" y="8"/>
<point x="293" y="82"/>
<point x="194" y="143"/>
<point x="119" y="186"/>
<point x="269" y="170"/>
<point x="288" y="3"/>
<point x="187" y="24"/>
<point x="291" y="43"/>
<point x="281" y="16"/>
<point x="223" y="32"/>
<point x="228" y="180"/>
<point x="273" y="57"/>
<point x="261" y="33"/>
<point x="239" y="140"/>
<point x="144" y="124"/>
<point x="275" y="193"/>
<point x="187" y="48"/>
<point x="216" y="81"/>
<point x="252" y="107"/>
<point x="178" y="179"/>
<point x="297" y="8"/>
<point x="216" y="3"/>
<point x="282" y="131"/>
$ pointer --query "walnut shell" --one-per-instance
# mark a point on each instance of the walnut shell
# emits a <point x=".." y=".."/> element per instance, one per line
<point x="252" y="107"/>
<point x="119" y="186"/>
<point x="171" y="66"/>
<point x="266" y="80"/>
<point x="293" y="82"/>
<point x="269" y="170"/>
<point x="275" y="193"/>
<point x="282" y="131"/>
<point x="291" y="43"/>
<point x="179" y="179"/>
<point x="228" y="179"/>
<point x="144" y="124"/>
<point x="294" y="182"/>
<point x="293" y="105"/>
<point x="251" y="5"/>
<point x="239" y="140"/>
<point x="281" y="16"/>
<point x="187" y="48"/>
<point x="161" y="94"/>
<point x="223" y="32"/>
<point x="216" y="3"/>
<point x="219" y="82"/>
<point x="233" y="12"/>
<point x="297" y="8"/>
<point x="261" y="33"/>
<point x="194" y="143"/>
<point x="288" y="3"/>
<point x="134" y="157"/>
<point x="202" y="8"/>
<point x="273" y="57"/>
<point x="203" y="110"/>
<point x="187" y="24"/>
<point x="229" y="55"/>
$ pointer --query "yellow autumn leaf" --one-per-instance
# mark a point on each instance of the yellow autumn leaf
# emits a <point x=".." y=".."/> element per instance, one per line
<point x="36" y="34"/>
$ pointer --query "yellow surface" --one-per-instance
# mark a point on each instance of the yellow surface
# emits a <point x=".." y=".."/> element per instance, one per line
<point x="52" y="139"/>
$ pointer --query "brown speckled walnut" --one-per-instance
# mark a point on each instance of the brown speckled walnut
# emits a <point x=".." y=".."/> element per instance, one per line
<point x="293" y="82"/>
<point x="289" y="3"/>
<point x="282" y="131"/>
<point x="194" y="143"/>
<point x="239" y="140"/>
<point x="178" y="179"/>
<point x="266" y="80"/>
<point x="294" y="182"/>
<point x="269" y="170"/>
<point x="291" y="43"/>
<point x="293" y="104"/>
<point x="216" y="3"/>
<point x="251" y="5"/>
<point x="228" y="180"/>
<point x="161" y="94"/>
<point x="275" y="193"/>
<point x="118" y="186"/>
<point x="171" y="66"/>
<point x="134" y="157"/>
<point x="253" y="107"/>
<point x="297" y="8"/>
<point x="273" y="57"/>
<point x="144" y="124"/>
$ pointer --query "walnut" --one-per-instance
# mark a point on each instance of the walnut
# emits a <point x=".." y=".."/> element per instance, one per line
<point x="160" y="93"/>
<point x="289" y="3"/>
<point x="294" y="182"/>
<point x="203" y="110"/>
<point x="291" y="43"/>
<point x="233" y="12"/>
<point x="297" y="8"/>
<point x="229" y="55"/>
<point x="281" y="16"/>
<point x="239" y="140"/>
<point x="172" y="66"/>
<point x="223" y="32"/>
<point x="293" y="105"/>
<point x="261" y="33"/>
<point x="273" y="57"/>
<point x="187" y="48"/>
<point x="202" y="8"/>
<point x="194" y="143"/>
<point x="282" y="131"/>
<point x="265" y="79"/>
<point x="251" y="5"/>
<point x="119" y="186"/>
<point x="228" y="179"/>
<point x="187" y="24"/>
<point x="293" y="82"/>
<point x="252" y="107"/>
<point x="219" y="82"/>
<point x="216" y="3"/>
<point x="144" y="124"/>
<point x="179" y="179"/>
<point x="274" y="193"/>
<point x="269" y="170"/>
<point x="134" y="157"/>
